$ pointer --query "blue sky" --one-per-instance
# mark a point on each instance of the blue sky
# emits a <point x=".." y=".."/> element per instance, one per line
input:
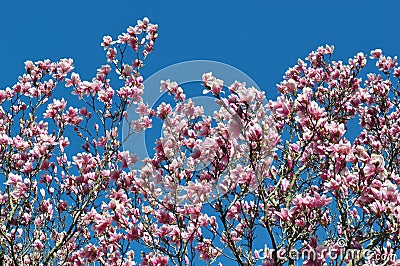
<point x="261" y="38"/>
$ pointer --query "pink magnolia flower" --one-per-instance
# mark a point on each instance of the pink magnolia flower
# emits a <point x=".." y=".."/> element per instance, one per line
<point x="38" y="244"/>
<point x="107" y="41"/>
<point x="212" y="84"/>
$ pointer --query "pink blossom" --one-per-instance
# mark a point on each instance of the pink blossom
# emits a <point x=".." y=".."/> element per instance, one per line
<point x="212" y="84"/>
<point x="38" y="244"/>
<point x="74" y="81"/>
<point x="285" y="184"/>
<point x="107" y="41"/>
<point x="377" y="53"/>
<point x="290" y="85"/>
<point x="235" y="128"/>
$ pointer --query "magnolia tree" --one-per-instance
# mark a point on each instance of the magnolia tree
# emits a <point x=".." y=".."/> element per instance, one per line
<point x="311" y="177"/>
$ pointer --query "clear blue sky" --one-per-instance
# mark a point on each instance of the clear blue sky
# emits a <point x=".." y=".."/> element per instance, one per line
<point x="262" y="38"/>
